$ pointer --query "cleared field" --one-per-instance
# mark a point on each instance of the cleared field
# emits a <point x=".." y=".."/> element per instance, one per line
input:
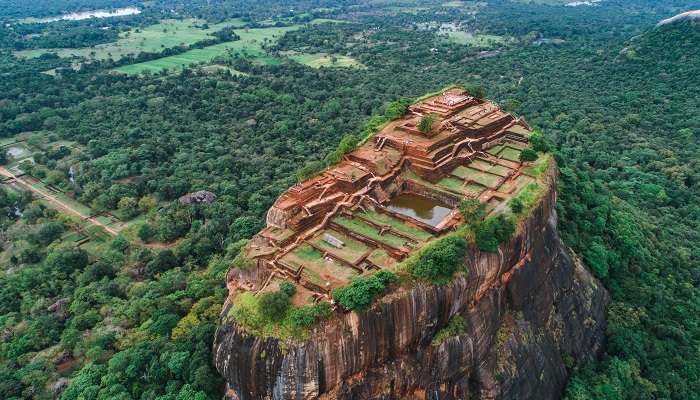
<point x="18" y="151"/>
<point x="154" y="38"/>
<point x="249" y="46"/>
<point x="319" y="60"/>
<point x="476" y="40"/>
<point x="369" y="231"/>
<point x="396" y="224"/>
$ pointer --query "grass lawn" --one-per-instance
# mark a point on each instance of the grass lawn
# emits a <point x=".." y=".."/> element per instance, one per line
<point x="473" y="189"/>
<point x="369" y="231"/>
<point x="316" y="269"/>
<point x="350" y="252"/>
<point x="482" y="178"/>
<point x="476" y="40"/>
<point x="495" y="150"/>
<point x="318" y="60"/>
<point x="539" y="166"/>
<point x="510" y="154"/>
<point x="397" y="225"/>
<point x="154" y="38"/>
<point x="452" y="184"/>
<point x="381" y="258"/>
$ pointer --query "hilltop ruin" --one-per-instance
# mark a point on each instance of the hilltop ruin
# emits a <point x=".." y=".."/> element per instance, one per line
<point x="390" y="196"/>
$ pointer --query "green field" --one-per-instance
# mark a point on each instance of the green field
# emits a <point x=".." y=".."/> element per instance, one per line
<point x="476" y="40"/>
<point x="318" y="60"/>
<point x="154" y="38"/>
<point x="350" y="252"/>
<point x="250" y="46"/>
<point x="510" y="154"/>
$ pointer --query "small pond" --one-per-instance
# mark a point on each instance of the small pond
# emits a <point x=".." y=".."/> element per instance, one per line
<point x="420" y="208"/>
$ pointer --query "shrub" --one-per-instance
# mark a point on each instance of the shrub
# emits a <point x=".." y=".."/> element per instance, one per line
<point x="304" y="317"/>
<point x="426" y="123"/>
<point x="493" y="231"/>
<point x="439" y="260"/>
<point x="528" y="155"/>
<point x="516" y="205"/>
<point x="473" y="210"/>
<point x="397" y="109"/>
<point x="273" y="305"/>
<point x="361" y="291"/>
<point x="455" y="327"/>
<point x="288" y="288"/>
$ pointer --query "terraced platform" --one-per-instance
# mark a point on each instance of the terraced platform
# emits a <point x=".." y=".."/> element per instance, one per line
<point x="392" y="195"/>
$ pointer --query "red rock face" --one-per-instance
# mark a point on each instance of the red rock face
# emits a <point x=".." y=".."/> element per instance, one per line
<point x="527" y="308"/>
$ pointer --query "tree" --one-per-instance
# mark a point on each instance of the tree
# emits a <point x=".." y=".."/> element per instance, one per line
<point x="426" y="123"/>
<point x="128" y="206"/>
<point x="539" y="143"/>
<point x="493" y="231"/>
<point x="516" y="205"/>
<point x="146" y="232"/>
<point x="49" y="232"/>
<point x="528" y="155"/>
<point x="472" y="210"/>
<point x="359" y="294"/>
<point x="147" y="203"/>
<point x="438" y="261"/>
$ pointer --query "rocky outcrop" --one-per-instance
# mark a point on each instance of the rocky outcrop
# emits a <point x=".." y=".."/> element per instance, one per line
<point x="531" y="311"/>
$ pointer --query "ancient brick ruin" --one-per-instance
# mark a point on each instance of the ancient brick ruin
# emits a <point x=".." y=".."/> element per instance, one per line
<point x="360" y="215"/>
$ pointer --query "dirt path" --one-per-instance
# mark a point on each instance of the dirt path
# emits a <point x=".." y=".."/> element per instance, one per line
<point x="60" y="204"/>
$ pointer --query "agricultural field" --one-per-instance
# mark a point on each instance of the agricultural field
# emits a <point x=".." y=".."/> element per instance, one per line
<point x="154" y="38"/>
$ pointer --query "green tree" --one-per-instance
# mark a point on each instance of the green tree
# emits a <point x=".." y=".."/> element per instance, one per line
<point x="426" y="123"/>
<point x="528" y="155"/>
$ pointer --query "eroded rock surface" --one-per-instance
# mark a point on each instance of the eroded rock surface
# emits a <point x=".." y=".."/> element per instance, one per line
<point x="531" y="309"/>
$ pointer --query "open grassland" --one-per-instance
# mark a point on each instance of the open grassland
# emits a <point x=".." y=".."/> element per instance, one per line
<point x="318" y="60"/>
<point x="476" y="40"/>
<point x="151" y="39"/>
<point x="250" y="45"/>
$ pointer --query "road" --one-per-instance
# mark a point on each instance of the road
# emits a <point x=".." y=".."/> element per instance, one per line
<point x="59" y="204"/>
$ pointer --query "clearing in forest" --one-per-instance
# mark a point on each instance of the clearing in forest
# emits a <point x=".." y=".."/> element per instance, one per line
<point x="250" y="46"/>
<point x="151" y="39"/>
<point x="318" y="60"/>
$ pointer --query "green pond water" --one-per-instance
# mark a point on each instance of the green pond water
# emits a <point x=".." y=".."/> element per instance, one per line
<point x="420" y="208"/>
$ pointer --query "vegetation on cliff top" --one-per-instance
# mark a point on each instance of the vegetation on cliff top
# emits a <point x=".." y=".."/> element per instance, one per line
<point x="362" y="290"/>
<point x="271" y="313"/>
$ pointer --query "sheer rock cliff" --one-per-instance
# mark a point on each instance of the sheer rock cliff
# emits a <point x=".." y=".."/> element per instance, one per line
<point x="532" y="310"/>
